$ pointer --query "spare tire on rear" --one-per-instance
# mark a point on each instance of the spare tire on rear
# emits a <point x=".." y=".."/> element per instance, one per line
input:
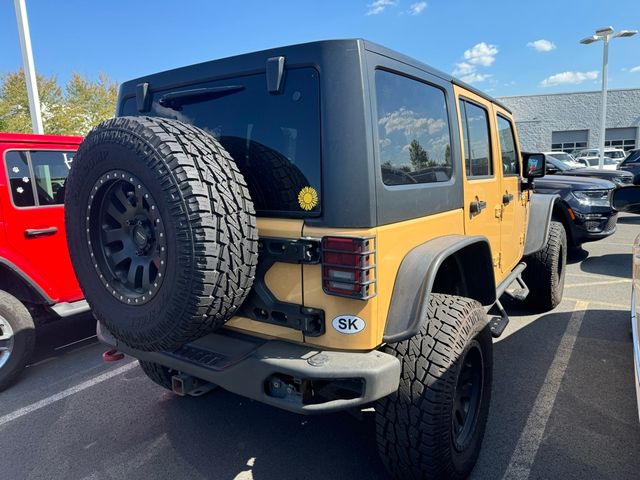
<point x="161" y="231"/>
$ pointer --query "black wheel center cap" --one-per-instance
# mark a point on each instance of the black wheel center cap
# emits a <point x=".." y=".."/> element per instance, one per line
<point x="140" y="236"/>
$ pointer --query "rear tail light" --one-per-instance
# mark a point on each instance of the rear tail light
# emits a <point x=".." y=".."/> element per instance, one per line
<point x="348" y="267"/>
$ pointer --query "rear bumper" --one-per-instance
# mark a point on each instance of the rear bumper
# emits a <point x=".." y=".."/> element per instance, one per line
<point x="293" y="377"/>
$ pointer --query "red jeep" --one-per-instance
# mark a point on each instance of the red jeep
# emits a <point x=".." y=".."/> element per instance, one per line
<point x="37" y="281"/>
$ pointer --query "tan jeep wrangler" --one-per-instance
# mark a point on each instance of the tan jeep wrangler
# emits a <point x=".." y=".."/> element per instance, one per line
<point x="317" y="227"/>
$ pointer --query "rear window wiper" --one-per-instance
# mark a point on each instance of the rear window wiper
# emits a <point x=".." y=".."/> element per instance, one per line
<point x="175" y="100"/>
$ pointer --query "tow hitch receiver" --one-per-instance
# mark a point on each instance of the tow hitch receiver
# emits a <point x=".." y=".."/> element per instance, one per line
<point x="183" y="384"/>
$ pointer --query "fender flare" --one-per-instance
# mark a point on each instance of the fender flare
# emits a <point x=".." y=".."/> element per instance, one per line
<point x="27" y="280"/>
<point x="540" y="213"/>
<point x="416" y="276"/>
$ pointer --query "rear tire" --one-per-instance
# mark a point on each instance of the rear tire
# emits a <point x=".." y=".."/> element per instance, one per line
<point x="157" y="373"/>
<point x="161" y="231"/>
<point x="422" y="429"/>
<point x="545" y="271"/>
<point x="17" y="338"/>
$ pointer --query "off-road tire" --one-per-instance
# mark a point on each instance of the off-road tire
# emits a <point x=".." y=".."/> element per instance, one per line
<point x="157" y="373"/>
<point x="285" y="179"/>
<point x="414" y="425"/>
<point x="207" y="214"/>
<point x="21" y="323"/>
<point x="545" y="271"/>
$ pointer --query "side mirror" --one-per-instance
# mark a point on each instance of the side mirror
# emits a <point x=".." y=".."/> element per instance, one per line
<point x="535" y="165"/>
<point x="551" y="169"/>
<point x="627" y="199"/>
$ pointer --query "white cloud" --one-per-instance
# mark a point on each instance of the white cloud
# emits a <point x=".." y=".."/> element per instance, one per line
<point x="542" y="45"/>
<point x="463" y="68"/>
<point x="475" y="77"/>
<point x="417" y="8"/>
<point x="408" y="122"/>
<point x="379" y="5"/>
<point x="565" y="78"/>
<point x="635" y="69"/>
<point x="481" y="54"/>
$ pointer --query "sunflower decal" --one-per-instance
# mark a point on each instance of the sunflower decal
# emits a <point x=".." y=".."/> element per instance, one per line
<point x="308" y="198"/>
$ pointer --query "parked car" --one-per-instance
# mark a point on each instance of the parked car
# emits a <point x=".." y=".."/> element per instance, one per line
<point x="632" y="164"/>
<point x="557" y="167"/>
<point x="566" y="158"/>
<point x="584" y="208"/>
<point x="628" y="200"/>
<point x="37" y="282"/>
<point x="346" y="289"/>
<point x="612" y="157"/>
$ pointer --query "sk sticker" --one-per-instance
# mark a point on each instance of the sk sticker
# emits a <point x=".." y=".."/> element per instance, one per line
<point x="308" y="198"/>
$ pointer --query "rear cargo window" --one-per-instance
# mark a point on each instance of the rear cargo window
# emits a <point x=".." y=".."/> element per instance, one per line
<point x="274" y="139"/>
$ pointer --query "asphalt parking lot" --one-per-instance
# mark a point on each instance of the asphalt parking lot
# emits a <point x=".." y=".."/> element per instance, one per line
<point x="563" y="404"/>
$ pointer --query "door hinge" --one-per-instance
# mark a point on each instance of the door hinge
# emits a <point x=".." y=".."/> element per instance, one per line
<point x="522" y="239"/>
<point x="497" y="260"/>
<point x="499" y="210"/>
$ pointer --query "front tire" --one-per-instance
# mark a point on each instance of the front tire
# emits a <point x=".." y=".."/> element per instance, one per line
<point x="545" y="271"/>
<point x="17" y="338"/>
<point x="433" y="425"/>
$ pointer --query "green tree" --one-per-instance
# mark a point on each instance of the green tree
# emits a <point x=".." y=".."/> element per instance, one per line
<point x="418" y="156"/>
<point x="88" y="103"/>
<point x="72" y="110"/>
<point x="14" y="103"/>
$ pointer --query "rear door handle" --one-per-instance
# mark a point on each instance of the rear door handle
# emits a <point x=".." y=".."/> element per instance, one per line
<point x="476" y="207"/>
<point x="40" y="232"/>
<point x="507" y="198"/>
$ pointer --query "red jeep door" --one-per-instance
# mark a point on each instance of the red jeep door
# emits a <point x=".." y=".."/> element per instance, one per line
<point x="32" y="203"/>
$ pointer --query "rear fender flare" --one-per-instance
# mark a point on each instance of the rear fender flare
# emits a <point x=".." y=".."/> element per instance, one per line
<point x="417" y="273"/>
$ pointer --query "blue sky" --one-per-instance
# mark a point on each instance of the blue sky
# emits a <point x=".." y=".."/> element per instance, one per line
<point x="503" y="47"/>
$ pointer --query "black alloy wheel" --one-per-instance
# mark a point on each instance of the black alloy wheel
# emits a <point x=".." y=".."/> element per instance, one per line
<point x="129" y="248"/>
<point x="468" y="396"/>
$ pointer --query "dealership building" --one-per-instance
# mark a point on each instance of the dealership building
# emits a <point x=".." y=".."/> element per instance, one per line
<point x="570" y="121"/>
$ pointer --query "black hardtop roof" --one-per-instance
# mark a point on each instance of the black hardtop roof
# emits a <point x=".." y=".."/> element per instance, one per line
<point x="254" y="62"/>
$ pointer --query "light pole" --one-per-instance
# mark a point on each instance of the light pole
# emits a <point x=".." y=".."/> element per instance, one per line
<point x="605" y="34"/>
<point x="29" y="68"/>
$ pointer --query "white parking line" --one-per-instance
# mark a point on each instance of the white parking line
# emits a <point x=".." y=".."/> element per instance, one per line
<point x="65" y="393"/>
<point x="598" y="302"/>
<point x="531" y="437"/>
<point x="591" y="284"/>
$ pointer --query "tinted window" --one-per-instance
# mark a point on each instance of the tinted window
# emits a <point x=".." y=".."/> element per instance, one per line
<point x="19" y="176"/>
<point x="274" y="139"/>
<point x="50" y="170"/>
<point x="510" y="162"/>
<point x="476" y="143"/>
<point x="44" y="170"/>
<point x="633" y="157"/>
<point x="413" y="131"/>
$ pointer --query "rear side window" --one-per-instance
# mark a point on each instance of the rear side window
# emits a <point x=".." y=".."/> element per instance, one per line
<point x="274" y="139"/>
<point x="508" y="153"/>
<point x="413" y="131"/>
<point x="37" y="177"/>
<point x="476" y="143"/>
